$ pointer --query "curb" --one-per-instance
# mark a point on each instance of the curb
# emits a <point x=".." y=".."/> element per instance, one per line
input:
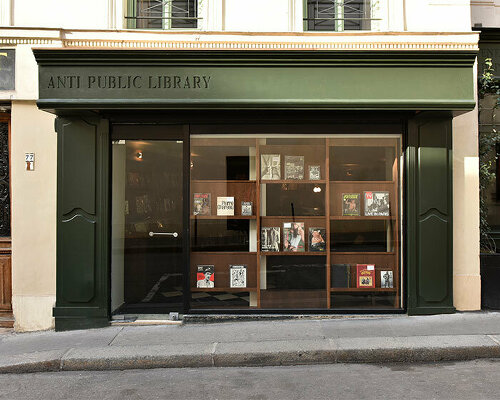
<point x="267" y="353"/>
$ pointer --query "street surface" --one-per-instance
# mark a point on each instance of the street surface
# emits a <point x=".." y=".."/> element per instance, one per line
<point x="472" y="380"/>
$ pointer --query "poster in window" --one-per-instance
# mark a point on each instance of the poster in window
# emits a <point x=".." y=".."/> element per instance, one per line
<point x="376" y="204"/>
<point x="238" y="276"/>
<point x="293" y="237"/>
<point x="270" y="167"/>
<point x="205" y="277"/>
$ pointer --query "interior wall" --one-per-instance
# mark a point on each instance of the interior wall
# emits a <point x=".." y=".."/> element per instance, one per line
<point x="118" y="225"/>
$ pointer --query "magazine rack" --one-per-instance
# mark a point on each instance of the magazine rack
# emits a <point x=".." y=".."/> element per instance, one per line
<point x="345" y="167"/>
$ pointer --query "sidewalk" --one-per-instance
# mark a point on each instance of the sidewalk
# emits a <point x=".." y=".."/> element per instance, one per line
<point x="375" y="339"/>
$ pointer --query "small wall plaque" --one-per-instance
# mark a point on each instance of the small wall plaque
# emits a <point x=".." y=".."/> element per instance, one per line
<point x="30" y="161"/>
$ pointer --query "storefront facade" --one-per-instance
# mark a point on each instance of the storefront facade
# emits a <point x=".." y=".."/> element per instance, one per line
<point x="252" y="181"/>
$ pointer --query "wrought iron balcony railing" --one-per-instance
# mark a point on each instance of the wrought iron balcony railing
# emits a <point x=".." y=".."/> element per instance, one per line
<point x="163" y="14"/>
<point x="339" y="15"/>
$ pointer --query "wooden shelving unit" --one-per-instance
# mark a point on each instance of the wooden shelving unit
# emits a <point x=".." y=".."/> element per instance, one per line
<point x="329" y="218"/>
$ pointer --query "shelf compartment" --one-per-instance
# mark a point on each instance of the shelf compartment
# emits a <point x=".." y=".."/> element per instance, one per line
<point x="201" y="181"/>
<point x="363" y="290"/>
<point x="362" y="218"/>
<point x="194" y="217"/>
<point x="223" y="289"/>
<point x="291" y="181"/>
<point x="292" y="219"/>
<point x="293" y="253"/>
<point x="234" y="253"/>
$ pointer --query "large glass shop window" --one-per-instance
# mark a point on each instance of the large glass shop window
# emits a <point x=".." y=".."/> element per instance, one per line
<point x="287" y="222"/>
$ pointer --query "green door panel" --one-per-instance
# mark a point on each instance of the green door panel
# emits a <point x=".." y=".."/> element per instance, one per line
<point x="432" y="271"/>
<point x="429" y="214"/>
<point x="82" y="292"/>
<point x="78" y="254"/>
<point x="78" y="152"/>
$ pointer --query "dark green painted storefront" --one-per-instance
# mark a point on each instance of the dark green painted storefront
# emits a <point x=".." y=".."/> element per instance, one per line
<point x="90" y="89"/>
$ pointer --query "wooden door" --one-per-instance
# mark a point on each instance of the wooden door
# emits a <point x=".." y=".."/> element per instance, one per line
<point x="6" y="319"/>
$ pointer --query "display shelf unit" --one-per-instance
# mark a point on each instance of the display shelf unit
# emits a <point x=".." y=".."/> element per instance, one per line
<point x="380" y="231"/>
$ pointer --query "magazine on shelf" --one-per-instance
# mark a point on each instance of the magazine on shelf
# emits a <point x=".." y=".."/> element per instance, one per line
<point x="205" y="277"/>
<point x="351" y="204"/>
<point x="314" y="172"/>
<point x="270" y="167"/>
<point x="365" y="276"/>
<point x="376" y="204"/>
<point x="341" y="275"/>
<point x="246" y="208"/>
<point x="270" y="238"/>
<point x="386" y="279"/>
<point x="293" y="237"/>
<point x="294" y="167"/>
<point x="317" y="239"/>
<point x="202" y="204"/>
<point x="238" y="276"/>
<point x="225" y="205"/>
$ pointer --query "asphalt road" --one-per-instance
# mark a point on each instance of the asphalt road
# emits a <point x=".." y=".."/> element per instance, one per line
<point x="465" y="380"/>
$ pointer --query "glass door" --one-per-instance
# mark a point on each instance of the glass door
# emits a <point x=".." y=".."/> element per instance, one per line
<point x="147" y="226"/>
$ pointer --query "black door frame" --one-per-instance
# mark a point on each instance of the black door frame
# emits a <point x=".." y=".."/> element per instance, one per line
<point x="162" y="131"/>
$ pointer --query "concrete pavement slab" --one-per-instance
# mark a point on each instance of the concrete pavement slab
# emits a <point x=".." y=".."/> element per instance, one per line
<point x="290" y="352"/>
<point x="415" y="348"/>
<point x="452" y="324"/>
<point x="50" y="340"/>
<point x="138" y="357"/>
<point x="221" y="332"/>
<point x="40" y="361"/>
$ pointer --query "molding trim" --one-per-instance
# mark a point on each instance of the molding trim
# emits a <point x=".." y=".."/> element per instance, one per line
<point x="229" y="45"/>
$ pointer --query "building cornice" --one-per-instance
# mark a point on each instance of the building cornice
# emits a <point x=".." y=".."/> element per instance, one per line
<point x="186" y="40"/>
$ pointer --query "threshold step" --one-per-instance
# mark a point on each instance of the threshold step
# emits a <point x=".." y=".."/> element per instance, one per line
<point x="6" y="322"/>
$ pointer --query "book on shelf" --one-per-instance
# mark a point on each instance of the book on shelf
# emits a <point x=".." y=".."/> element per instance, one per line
<point x="377" y="204"/>
<point x="270" y="167"/>
<point x="294" y="167"/>
<point x="314" y="172"/>
<point x="317" y="239"/>
<point x="238" y="276"/>
<point x="293" y="237"/>
<point x="386" y="279"/>
<point x="270" y="237"/>
<point x="246" y="208"/>
<point x="205" y="277"/>
<point x="202" y="204"/>
<point x="341" y="275"/>
<point x="225" y="205"/>
<point x="351" y="204"/>
<point x="365" y="276"/>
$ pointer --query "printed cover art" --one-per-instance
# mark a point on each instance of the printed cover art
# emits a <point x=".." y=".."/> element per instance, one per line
<point x="270" y="238"/>
<point x="205" y="277"/>
<point x="225" y="205"/>
<point x="376" y="204"/>
<point x="238" y="276"/>
<point x="351" y="204"/>
<point x="317" y="239"/>
<point x="270" y="166"/>
<point x="294" y="167"/>
<point x="246" y="208"/>
<point x="365" y="276"/>
<point x="314" y="172"/>
<point x="202" y="204"/>
<point x="386" y="279"/>
<point x="293" y="236"/>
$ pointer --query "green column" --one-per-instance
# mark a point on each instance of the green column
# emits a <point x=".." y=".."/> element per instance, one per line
<point x="82" y="293"/>
<point x="429" y="214"/>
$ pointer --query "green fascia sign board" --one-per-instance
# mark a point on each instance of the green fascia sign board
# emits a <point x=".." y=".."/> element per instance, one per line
<point x="78" y="79"/>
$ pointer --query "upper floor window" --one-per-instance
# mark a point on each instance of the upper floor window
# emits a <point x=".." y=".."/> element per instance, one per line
<point x="338" y="15"/>
<point x="162" y="14"/>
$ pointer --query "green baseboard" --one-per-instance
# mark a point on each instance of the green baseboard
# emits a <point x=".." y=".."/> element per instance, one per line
<point x="74" y="323"/>
<point x="431" y="310"/>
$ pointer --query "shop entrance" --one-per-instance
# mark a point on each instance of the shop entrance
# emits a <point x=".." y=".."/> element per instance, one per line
<point x="147" y="226"/>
